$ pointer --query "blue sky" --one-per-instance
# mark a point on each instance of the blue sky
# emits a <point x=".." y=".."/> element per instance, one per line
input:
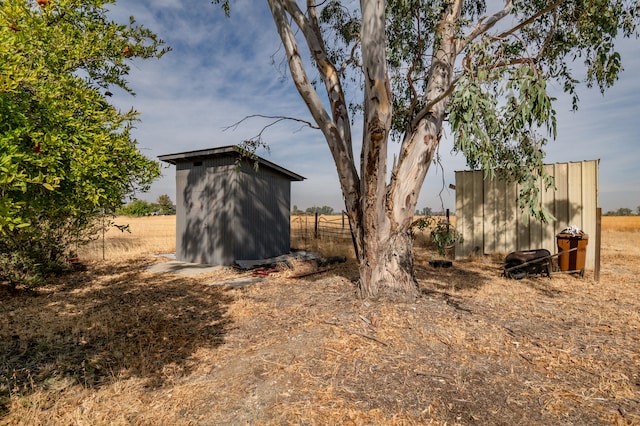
<point x="221" y="70"/>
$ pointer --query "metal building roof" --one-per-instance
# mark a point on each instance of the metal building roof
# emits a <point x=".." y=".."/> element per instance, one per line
<point x="230" y="150"/>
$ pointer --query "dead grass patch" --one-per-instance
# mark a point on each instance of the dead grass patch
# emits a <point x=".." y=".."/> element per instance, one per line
<point x="145" y="235"/>
<point x="621" y="223"/>
<point x="119" y="345"/>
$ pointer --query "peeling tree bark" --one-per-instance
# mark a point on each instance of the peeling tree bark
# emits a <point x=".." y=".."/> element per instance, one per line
<point x="386" y="257"/>
<point x="387" y="267"/>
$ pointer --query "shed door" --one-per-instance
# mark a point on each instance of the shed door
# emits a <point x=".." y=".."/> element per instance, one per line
<point x="220" y="215"/>
<point x="193" y="242"/>
<point x="192" y="230"/>
<point x="205" y="230"/>
<point x="199" y="229"/>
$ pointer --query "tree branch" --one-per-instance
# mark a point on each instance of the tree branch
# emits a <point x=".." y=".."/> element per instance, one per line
<point x="484" y="25"/>
<point x="352" y="60"/>
<point x="427" y="108"/>
<point x="549" y="37"/>
<point x="421" y="142"/>
<point x="414" y="92"/>
<point x="519" y="61"/>
<point x="276" y="118"/>
<point x="330" y="75"/>
<point x="335" y="127"/>
<point x="296" y="67"/>
<point x="532" y="18"/>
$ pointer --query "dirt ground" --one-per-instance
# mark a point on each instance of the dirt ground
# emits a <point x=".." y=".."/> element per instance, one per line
<point x="119" y="345"/>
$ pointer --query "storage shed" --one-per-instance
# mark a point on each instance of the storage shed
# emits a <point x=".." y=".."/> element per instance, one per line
<point x="488" y="216"/>
<point x="230" y="207"/>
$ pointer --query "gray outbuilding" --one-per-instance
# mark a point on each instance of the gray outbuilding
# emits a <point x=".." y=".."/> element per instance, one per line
<point x="230" y="207"/>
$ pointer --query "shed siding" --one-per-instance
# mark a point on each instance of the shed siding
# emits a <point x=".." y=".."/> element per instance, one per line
<point x="264" y="229"/>
<point x="222" y="215"/>
<point x="227" y="213"/>
<point x="192" y="211"/>
<point x="488" y="216"/>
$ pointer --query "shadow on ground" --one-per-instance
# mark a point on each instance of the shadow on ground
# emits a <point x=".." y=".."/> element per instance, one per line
<point x="458" y="277"/>
<point x="92" y="330"/>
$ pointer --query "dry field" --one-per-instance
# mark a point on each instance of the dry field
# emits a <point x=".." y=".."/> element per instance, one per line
<point x="145" y="235"/>
<point x="119" y="345"/>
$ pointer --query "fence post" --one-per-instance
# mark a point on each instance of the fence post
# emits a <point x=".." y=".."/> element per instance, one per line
<point x="316" y="227"/>
<point x="596" y="269"/>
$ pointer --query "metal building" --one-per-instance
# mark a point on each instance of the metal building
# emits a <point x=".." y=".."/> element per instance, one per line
<point x="230" y="207"/>
<point x="488" y="216"/>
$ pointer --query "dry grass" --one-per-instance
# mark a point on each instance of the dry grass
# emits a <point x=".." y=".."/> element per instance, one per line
<point x="119" y="345"/>
<point x="334" y="237"/>
<point x="153" y="234"/>
<point x="621" y="223"/>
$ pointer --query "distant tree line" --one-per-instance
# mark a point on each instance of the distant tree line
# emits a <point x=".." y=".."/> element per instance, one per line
<point x="326" y="210"/>
<point x="623" y="211"/>
<point x="426" y="211"/>
<point x="163" y="206"/>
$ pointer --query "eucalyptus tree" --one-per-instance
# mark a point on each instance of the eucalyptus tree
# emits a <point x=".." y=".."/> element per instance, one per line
<point x="66" y="154"/>
<point x="481" y="68"/>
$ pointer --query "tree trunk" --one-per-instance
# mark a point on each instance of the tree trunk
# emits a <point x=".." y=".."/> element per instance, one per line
<point x="386" y="258"/>
<point x="385" y="254"/>
<point x="386" y="266"/>
<point x="380" y="212"/>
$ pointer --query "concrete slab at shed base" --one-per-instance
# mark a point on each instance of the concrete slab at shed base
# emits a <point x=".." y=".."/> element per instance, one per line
<point x="192" y="269"/>
<point x="183" y="268"/>
<point x="238" y="282"/>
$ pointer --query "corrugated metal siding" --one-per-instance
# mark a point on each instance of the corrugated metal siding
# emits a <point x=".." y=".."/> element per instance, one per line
<point x="263" y="219"/>
<point x="222" y="216"/>
<point x="488" y="216"/>
<point x="191" y="213"/>
<point x="226" y="214"/>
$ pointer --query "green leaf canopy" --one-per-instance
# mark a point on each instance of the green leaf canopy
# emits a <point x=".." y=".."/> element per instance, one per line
<point x="65" y="152"/>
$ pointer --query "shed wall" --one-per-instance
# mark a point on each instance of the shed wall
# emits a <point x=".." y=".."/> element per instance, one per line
<point x="225" y="214"/>
<point x="205" y="208"/>
<point x="488" y="216"/>
<point x="263" y="219"/>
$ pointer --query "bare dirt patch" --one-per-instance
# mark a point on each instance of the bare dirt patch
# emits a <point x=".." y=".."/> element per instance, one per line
<point x="120" y="345"/>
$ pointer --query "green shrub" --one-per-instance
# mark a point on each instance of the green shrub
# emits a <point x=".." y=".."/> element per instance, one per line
<point x="443" y="235"/>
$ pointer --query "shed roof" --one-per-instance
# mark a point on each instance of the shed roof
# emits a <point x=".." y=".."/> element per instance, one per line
<point x="230" y="150"/>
